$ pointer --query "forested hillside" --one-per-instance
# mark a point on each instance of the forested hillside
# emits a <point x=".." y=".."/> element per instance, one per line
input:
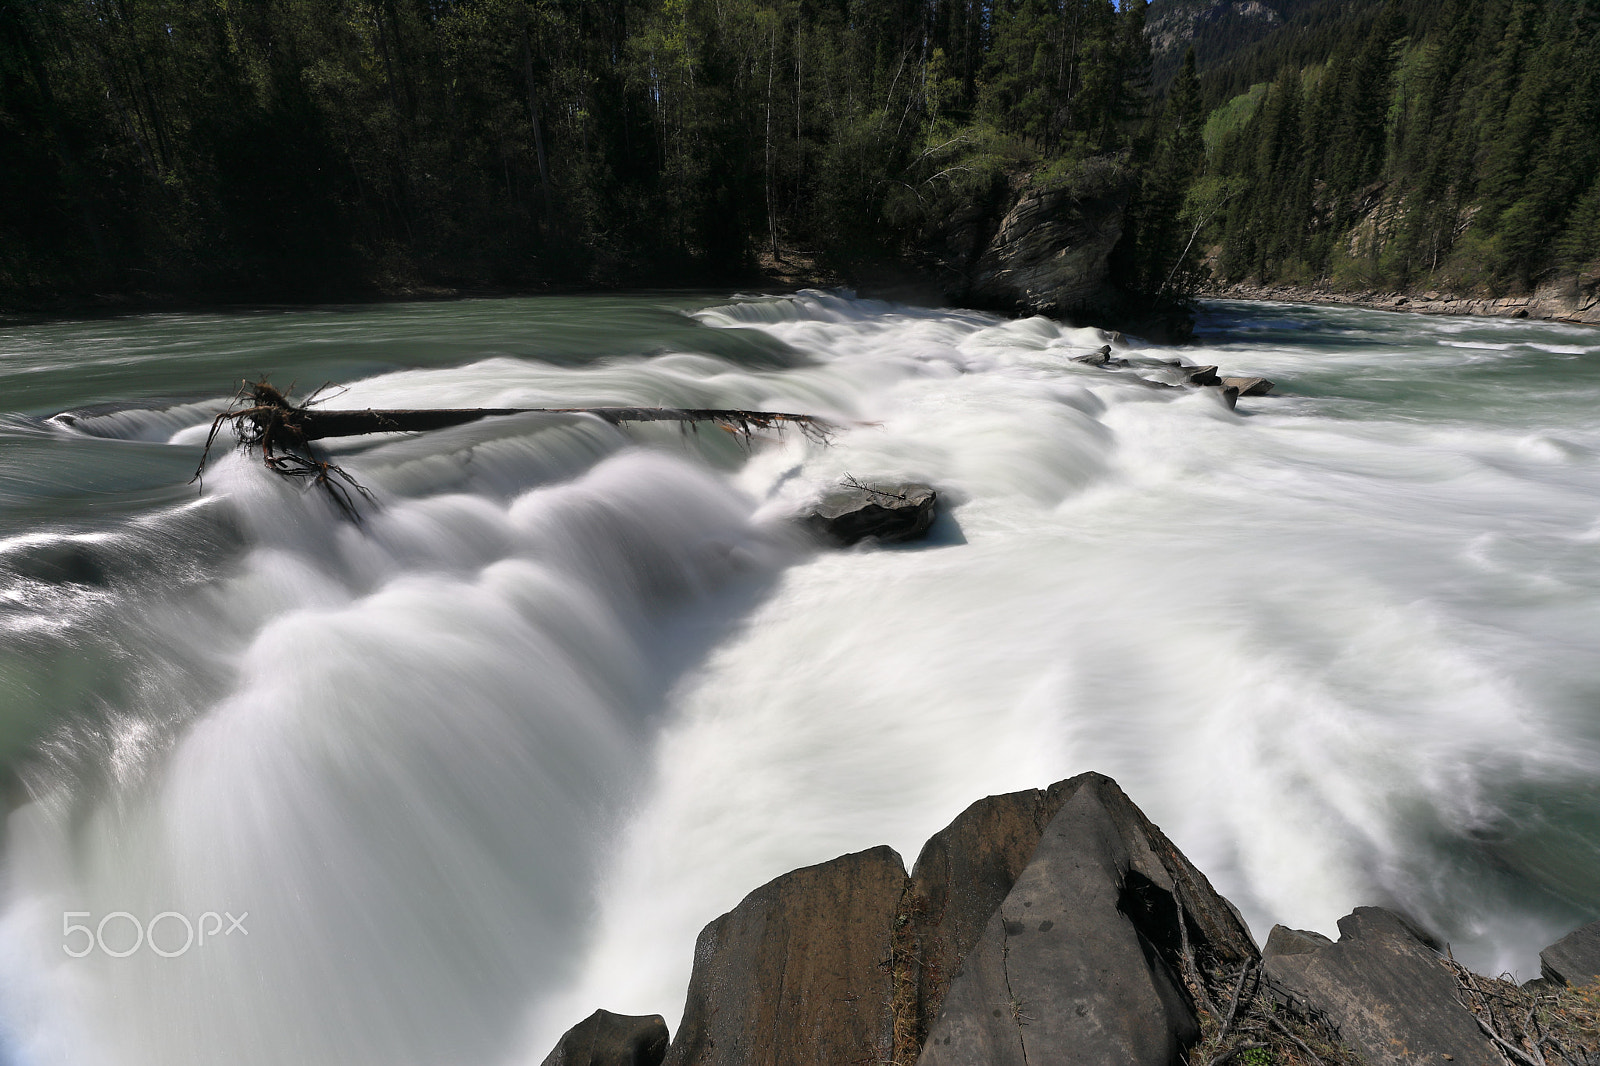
<point x="1412" y="143"/>
<point x="306" y="148"/>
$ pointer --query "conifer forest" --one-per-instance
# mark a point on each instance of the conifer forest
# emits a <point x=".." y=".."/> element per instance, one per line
<point x="314" y="149"/>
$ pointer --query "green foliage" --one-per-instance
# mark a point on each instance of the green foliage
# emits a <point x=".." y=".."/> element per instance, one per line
<point x="1231" y="116"/>
<point x="1448" y="144"/>
<point x="297" y="148"/>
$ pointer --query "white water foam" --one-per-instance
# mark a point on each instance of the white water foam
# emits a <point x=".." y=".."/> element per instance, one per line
<point x="491" y="760"/>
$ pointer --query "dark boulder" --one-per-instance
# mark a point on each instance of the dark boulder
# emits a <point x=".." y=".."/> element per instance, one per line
<point x="801" y="973"/>
<point x="896" y="512"/>
<point x="1575" y="958"/>
<point x="1080" y="961"/>
<point x="1383" y="986"/>
<point x="1202" y="375"/>
<point x="964" y="873"/>
<point x="1249" y="386"/>
<point x="606" y="1039"/>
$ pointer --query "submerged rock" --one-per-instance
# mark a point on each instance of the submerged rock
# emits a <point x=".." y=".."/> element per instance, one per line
<point x="893" y="512"/>
<point x="606" y="1039"/>
<point x="1575" y="958"/>
<point x="1387" y="991"/>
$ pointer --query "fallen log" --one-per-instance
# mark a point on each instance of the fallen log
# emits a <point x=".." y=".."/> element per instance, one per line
<point x="263" y="416"/>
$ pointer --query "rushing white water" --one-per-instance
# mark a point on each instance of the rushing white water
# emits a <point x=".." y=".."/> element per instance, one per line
<point x="492" y="758"/>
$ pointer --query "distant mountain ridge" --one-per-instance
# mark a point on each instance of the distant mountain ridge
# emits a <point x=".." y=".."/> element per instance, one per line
<point x="1215" y="28"/>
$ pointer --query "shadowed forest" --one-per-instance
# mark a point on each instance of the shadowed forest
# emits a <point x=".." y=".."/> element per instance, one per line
<point x="301" y="148"/>
<point x="319" y="149"/>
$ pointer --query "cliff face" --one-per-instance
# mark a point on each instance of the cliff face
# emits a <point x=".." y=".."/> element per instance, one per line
<point x="1045" y="252"/>
<point x="1031" y="250"/>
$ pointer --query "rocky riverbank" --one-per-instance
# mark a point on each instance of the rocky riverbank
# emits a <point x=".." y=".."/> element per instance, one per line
<point x="1571" y="299"/>
<point x="1062" y="926"/>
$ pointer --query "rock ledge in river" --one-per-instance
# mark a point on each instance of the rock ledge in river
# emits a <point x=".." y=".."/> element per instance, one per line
<point x="892" y="512"/>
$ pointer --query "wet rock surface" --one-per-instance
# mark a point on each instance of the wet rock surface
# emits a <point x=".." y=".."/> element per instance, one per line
<point x="897" y="511"/>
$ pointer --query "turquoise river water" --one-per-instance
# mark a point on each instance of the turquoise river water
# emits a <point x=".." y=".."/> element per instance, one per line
<point x="430" y="788"/>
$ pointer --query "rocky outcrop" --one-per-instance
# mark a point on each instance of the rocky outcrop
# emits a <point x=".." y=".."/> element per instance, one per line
<point x="1059" y="925"/>
<point x="1575" y="958"/>
<point x="1067" y="902"/>
<point x="800" y="972"/>
<point x="1044" y="248"/>
<point x="889" y="512"/>
<point x="1049" y="254"/>
<point x="606" y="1039"/>
<point x="964" y="873"/>
<point x="1385" y="988"/>
<point x="1573" y="298"/>
<point x="1063" y="973"/>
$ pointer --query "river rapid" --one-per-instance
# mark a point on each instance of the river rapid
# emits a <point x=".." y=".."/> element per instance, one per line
<point x="490" y="759"/>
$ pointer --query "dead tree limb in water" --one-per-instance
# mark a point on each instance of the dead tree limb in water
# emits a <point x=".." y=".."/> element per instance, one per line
<point x="263" y="417"/>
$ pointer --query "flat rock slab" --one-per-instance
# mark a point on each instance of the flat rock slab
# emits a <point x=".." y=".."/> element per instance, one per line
<point x="606" y="1039"/>
<point x="801" y="972"/>
<point x="1387" y="993"/>
<point x="1249" y="386"/>
<point x="892" y="512"/>
<point x="1575" y="958"/>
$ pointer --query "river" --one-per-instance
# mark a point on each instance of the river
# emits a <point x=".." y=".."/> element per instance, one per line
<point x="431" y="787"/>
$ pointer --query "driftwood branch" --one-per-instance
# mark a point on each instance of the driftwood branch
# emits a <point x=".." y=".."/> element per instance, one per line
<point x="262" y="416"/>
